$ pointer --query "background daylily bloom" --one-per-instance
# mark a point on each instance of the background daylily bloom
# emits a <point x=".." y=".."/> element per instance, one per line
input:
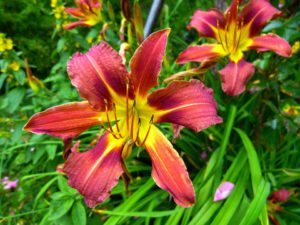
<point x="88" y="11"/>
<point x="235" y="33"/>
<point x="281" y="195"/>
<point x="122" y="101"/>
<point x="223" y="191"/>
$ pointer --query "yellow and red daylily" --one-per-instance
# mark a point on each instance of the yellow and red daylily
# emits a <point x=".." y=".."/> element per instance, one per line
<point x="120" y="101"/>
<point x="235" y="32"/>
<point x="89" y="12"/>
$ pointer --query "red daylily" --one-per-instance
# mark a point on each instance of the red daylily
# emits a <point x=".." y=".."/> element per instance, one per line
<point x="235" y="32"/>
<point x="121" y="99"/>
<point x="88" y="11"/>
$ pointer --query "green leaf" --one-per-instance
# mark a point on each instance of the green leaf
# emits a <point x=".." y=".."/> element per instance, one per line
<point x="51" y="150"/>
<point x="153" y="214"/>
<point x="15" y="97"/>
<point x="78" y="214"/>
<point x="60" y="208"/>
<point x="130" y="202"/>
<point x="60" y="44"/>
<point x="20" y="76"/>
<point x="231" y="205"/>
<point x="64" y="187"/>
<point x="257" y="205"/>
<point x="2" y="78"/>
<point x="253" y="160"/>
<point x="255" y="171"/>
<point x="43" y="190"/>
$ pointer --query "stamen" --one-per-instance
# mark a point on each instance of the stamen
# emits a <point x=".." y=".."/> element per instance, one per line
<point x="219" y="34"/>
<point x="147" y="134"/>
<point x="116" y="119"/>
<point x="226" y="35"/>
<point x="241" y="24"/>
<point x="127" y="106"/>
<point x="103" y="125"/>
<point x="132" y="121"/>
<point x="108" y="121"/>
<point x="234" y="36"/>
<point x="138" y="130"/>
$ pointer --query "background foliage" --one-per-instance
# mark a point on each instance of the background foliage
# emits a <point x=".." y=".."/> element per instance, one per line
<point x="257" y="146"/>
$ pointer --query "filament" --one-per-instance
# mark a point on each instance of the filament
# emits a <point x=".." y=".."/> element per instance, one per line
<point x="132" y="121"/>
<point x="226" y="35"/>
<point x="108" y="121"/>
<point x="241" y="24"/>
<point x="138" y="130"/>
<point x="127" y="104"/>
<point x="219" y="34"/>
<point x="147" y="134"/>
<point x="116" y="119"/>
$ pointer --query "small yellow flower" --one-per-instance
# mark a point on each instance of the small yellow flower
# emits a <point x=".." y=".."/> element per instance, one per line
<point x="57" y="26"/>
<point x="5" y="43"/>
<point x="15" y="66"/>
<point x="9" y="44"/>
<point x="58" y="11"/>
<point x="89" y="40"/>
<point x="291" y="110"/>
<point x="296" y="47"/>
<point x="64" y="23"/>
<point x="65" y="15"/>
<point x="2" y="47"/>
<point x="53" y="3"/>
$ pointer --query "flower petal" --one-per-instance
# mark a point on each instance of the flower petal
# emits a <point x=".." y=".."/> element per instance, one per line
<point x="75" y="24"/>
<point x="99" y="75"/>
<point x="95" y="172"/>
<point x="235" y="75"/>
<point x="187" y="103"/>
<point x="200" y="53"/>
<point x="146" y="62"/>
<point x="206" y="23"/>
<point x="168" y="169"/>
<point x="257" y="13"/>
<point x="223" y="191"/>
<point x="74" y="12"/>
<point x="272" y="42"/>
<point x="64" y="121"/>
<point x="232" y="11"/>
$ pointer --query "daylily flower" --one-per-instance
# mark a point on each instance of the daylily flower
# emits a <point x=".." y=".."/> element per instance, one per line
<point x="122" y="101"/>
<point x="235" y="33"/>
<point x="282" y="195"/>
<point x="88" y="11"/>
<point x="223" y="191"/>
